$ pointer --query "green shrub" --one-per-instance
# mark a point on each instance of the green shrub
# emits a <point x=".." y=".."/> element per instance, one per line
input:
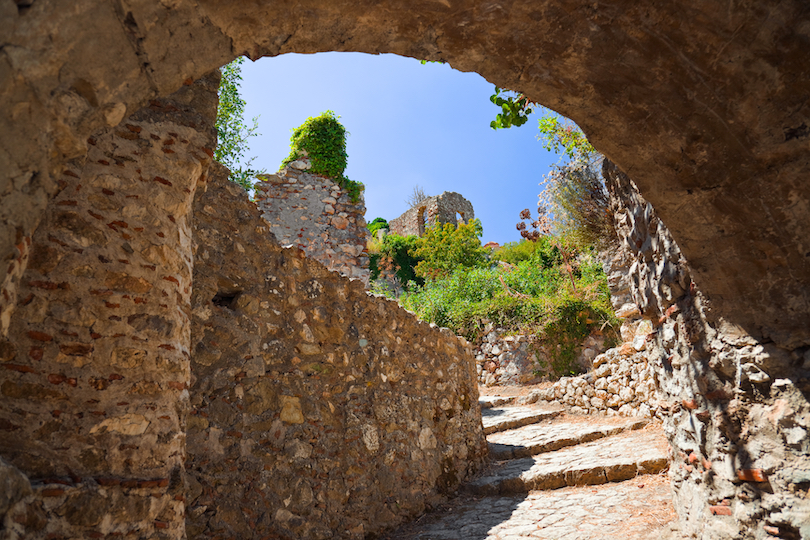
<point x="376" y="225"/>
<point x="444" y="248"/>
<point x="323" y="138"/>
<point x="396" y="255"/>
<point x="534" y="298"/>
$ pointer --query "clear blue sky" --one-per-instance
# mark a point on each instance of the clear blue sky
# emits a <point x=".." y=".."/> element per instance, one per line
<point x="409" y="124"/>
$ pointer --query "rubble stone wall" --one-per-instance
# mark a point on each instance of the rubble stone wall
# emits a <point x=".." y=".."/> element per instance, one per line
<point x="94" y="378"/>
<point x="444" y="208"/>
<point x="318" y="411"/>
<point x="514" y="360"/>
<point x="313" y="213"/>
<point x="735" y="406"/>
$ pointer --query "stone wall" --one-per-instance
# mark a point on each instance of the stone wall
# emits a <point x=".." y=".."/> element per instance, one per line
<point x="94" y="378"/>
<point x="439" y="209"/>
<point x="514" y="360"/>
<point x="735" y="406"/>
<point x="313" y="213"/>
<point x="318" y="411"/>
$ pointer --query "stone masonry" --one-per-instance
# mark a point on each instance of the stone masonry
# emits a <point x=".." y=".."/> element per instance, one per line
<point x="313" y="213"/>
<point x="318" y="411"/>
<point x="735" y="407"/>
<point x="449" y="207"/>
<point x="94" y="384"/>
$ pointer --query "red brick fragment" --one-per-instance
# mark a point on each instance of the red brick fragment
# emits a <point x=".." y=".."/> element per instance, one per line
<point x="129" y="484"/>
<point x="20" y="368"/>
<point x="692" y="459"/>
<point x="172" y="279"/>
<point x="67" y="203"/>
<point x="751" y="475"/>
<point x="114" y="224"/>
<point x="162" y="181"/>
<point x="167" y="347"/>
<point x="770" y="529"/>
<point x="134" y="129"/>
<point x="39" y="336"/>
<point x="71" y="381"/>
<point x="94" y="335"/>
<point x="161" y="525"/>
<point x="235" y="434"/>
<point x="95" y="215"/>
<point x="101" y="292"/>
<point x="47" y="285"/>
<point x="148" y="483"/>
<point x="720" y="510"/>
<point x="56" y="378"/>
<point x="94" y="534"/>
<point x="177" y="385"/>
<point x="68" y="172"/>
<point x="116" y="377"/>
<point x="717" y="395"/>
<point x="168" y="151"/>
<point x="52" y="492"/>
<point x="35" y="353"/>
<point x="690" y="404"/>
<point x="111" y="305"/>
<point x="56" y="414"/>
<point x="103" y="162"/>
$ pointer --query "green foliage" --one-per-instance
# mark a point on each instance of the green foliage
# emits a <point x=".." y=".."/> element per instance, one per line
<point x="445" y="248"/>
<point x="232" y="132"/>
<point x="396" y="254"/>
<point x="376" y="225"/>
<point x="515" y="110"/>
<point x="515" y="252"/>
<point x="576" y="195"/>
<point x="562" y="135"/>
<point x="323" y="138"/>
<point x="533" y="298"/>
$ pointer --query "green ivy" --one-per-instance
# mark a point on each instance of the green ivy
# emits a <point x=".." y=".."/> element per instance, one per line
<point x="323" y="138"/>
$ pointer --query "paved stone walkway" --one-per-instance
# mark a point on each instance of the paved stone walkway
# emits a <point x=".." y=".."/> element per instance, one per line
<point x="502" y="418"/>
<point x="623" y="511"/>
<point x="559" y="477"/>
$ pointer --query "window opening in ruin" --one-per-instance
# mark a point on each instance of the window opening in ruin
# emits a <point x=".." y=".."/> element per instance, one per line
<point x="460" y="218"/>
<point x="422" y="220"/>
<point x="226" y="299"/>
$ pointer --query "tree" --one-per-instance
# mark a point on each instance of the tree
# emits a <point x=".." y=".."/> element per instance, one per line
<point x="416" y="197"/>
<point x="446" y="247"/>
<point x="232" y="132"/>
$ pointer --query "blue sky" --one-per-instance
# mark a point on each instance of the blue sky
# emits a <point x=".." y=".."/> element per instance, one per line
<point x="409" y="124"/>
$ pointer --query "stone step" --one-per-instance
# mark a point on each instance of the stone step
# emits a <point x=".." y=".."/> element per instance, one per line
<point x="497" y="419"/>
<point x="548" y="436"/>
<point x="611" y="459"/>
<point x="488" y="402"/>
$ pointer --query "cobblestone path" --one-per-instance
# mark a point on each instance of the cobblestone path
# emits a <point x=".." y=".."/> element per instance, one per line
<point x="557" y="476"/>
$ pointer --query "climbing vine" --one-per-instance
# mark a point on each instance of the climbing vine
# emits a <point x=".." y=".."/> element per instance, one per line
<point x="323" y="139"/>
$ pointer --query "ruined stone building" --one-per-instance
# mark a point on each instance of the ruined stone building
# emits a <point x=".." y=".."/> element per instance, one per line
<point x="151" y="387"/>
<point x="449" y="207"/>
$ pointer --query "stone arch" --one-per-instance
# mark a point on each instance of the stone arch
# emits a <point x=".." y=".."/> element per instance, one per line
<point x="715" y="95"/>
<point x="717" y="134"/>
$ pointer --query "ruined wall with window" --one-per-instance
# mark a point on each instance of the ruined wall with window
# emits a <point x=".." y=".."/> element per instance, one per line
<point x="449" y="207"/>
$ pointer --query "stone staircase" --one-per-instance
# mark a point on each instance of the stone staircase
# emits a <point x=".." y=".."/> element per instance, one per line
<point x="554" y="475"/>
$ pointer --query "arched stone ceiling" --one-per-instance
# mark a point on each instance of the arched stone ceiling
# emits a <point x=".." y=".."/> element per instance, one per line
<point x="705" y="104"/>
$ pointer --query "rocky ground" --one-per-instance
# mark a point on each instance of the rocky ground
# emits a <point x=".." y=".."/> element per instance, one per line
<point x="559" y="476"/>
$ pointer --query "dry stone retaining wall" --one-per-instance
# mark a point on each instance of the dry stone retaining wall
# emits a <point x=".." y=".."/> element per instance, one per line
<point x="313" y="213"/>
<point x="318" y="411"/>
<point x="449" y="207"/>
